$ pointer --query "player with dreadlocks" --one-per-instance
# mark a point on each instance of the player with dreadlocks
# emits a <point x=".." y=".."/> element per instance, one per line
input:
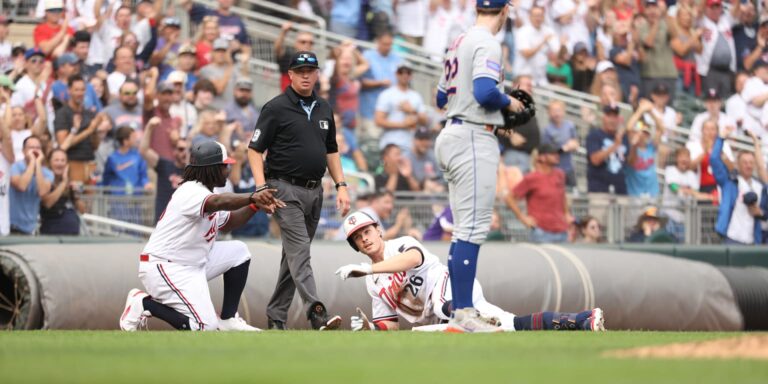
<point x="182" y="254"/>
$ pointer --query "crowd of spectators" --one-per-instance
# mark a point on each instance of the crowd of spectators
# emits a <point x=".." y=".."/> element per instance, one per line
<point x="116" y="91"/>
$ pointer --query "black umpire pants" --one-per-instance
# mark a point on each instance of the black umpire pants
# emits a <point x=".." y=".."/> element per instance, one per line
<point x="298" y="221"/>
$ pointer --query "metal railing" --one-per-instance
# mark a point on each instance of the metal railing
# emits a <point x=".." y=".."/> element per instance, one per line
<point x="110" y="213"/>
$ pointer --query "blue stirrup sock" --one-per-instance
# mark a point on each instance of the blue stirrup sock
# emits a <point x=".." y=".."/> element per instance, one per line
<point x="462" y="268"/>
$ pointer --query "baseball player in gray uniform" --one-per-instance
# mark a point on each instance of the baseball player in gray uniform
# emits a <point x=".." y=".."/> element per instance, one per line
<point x="467" y="149"/>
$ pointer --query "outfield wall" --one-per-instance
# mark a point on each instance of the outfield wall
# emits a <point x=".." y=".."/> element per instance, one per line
<point x="83" y="286"/>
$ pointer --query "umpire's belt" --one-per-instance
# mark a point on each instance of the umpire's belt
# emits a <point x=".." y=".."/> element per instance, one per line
<point x="297" y="181"/>
<point x="488" y="127"/>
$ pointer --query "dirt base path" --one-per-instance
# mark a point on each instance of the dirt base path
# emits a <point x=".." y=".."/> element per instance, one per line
<point x="745" y="347"/>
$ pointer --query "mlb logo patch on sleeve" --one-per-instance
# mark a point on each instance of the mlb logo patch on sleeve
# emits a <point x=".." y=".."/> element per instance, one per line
<point x="492" y="65"/>
<point x="323" y="124"/>
<point x="256" y="134"/>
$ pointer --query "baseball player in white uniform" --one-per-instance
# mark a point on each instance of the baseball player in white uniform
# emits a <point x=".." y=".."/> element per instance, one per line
<point x="406" y="280"/>
<point x="182" y="254"/>
<point x="467" y="149"/>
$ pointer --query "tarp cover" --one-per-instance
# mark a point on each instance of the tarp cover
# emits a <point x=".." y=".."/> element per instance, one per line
<point x="83" y="286"/>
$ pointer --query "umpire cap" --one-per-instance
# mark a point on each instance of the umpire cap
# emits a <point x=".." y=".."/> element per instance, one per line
<point x="354" y="223"/>
<point x="209" y="153"/>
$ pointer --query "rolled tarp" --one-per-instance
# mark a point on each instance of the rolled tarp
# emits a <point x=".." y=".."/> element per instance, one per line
<point x="83" y="286"/>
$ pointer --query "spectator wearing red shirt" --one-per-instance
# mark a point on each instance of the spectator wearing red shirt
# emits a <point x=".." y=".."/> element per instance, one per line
<point x="545" y="199"/>
<point x="53" y="34"/>
<point x="167" y="133"/>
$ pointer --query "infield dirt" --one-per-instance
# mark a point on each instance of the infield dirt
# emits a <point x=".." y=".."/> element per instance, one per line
<point x="744" y="347"/>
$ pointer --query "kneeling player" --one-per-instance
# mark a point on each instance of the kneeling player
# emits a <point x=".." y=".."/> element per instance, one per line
<point x="182" y="253"/>
<point x="406" y="280"/>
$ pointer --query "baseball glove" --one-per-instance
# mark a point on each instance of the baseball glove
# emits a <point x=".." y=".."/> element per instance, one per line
<point x="516" y="119"/>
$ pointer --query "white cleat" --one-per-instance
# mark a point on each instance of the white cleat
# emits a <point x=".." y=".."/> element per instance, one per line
<point x="134" y="314"/>
<point x="236" y="324"/>
<point x="596" y="321"/>
<point x="468" y="320"/>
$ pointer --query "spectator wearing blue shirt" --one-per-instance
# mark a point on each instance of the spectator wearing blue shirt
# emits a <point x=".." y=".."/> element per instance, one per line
<point x="399" y="111"/>
<point x="67" y="65"/>
<point x="561" y="134"/>
<point x="167" y="48"/>
<point x="345" y="17"/>
<point x="30" y="181"/>
<point x="606" y="151"/>
<point x="125" y="168"/>
<point x="380" y="76"/>
<point x="242" y="110"/>
<point x="743" y="199"/>
<point x="640" y="168"/>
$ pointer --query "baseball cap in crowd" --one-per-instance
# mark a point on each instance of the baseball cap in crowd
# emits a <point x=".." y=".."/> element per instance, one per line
<point x="220" y="43"/>
<point x="490" y="4"/>
<point x="209" y="153"/>
<point x="54" y="5"/>
<point x="712" y="3"/>
<point x="187" y="48"/>
<point x="6" y="82"/>
<point x="33" y="52"/>
<point x="5" y="20"/>
<point x="423" y="133"/>
<point x="611" y="109"/>
<point x="651" y="213"/>
<point x="604" y="66"/>
<point x="580" y="46"/>
<point x="244" y="83"/>
<point x="547" y="149"/>
<point x="82" y="36"/>
<point x="171" y="22"/>
<point x="660" y="89"/>
<point x="404" y="69"/>
<point x="165" y="86"/>
<point x="176" y="77"/>
<point x="760" y="63"/>
<point x="66" y="58"/>
<point x="712" y="94"/>
<point x="303" y="59"/>
<point x="651" y="2"/>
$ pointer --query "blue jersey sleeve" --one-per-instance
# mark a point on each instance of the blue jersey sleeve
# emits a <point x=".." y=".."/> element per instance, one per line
<point x="487" y="95"/>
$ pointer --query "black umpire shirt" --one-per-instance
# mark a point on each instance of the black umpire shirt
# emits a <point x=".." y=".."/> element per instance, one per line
<point x="298" y="133"/>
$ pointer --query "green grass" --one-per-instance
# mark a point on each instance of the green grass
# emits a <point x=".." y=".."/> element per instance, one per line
<point x="343" y="357"/>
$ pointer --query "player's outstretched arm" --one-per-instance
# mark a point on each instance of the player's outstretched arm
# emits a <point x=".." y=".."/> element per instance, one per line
<point x="402" y="262"/>
<point x="263" y="199"/>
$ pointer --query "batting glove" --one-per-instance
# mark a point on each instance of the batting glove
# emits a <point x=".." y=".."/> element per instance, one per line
<point x="354" y="270"/>
<point x="361" y="323"/>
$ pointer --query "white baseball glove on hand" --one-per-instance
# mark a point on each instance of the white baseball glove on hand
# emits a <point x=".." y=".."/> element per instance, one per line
<point x="361" y="322"/>
<point x="354" y="270"/>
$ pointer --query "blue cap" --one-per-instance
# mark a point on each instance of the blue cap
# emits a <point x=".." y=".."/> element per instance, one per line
<point x="491" y="4"/>
<point x="32" y="52"/>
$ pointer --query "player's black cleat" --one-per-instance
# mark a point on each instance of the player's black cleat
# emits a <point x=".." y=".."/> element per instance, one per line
<point x="318" y="317"/>
<point x="276" y="325"/>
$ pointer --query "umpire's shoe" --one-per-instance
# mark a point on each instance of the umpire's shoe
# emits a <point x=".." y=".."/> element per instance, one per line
<point x="276" y="325"/>
<point x="318" y="317"/>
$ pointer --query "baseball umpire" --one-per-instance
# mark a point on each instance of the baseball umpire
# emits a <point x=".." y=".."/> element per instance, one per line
<point x="182" y="253"/>
<point x="467" y="149"/>
<point x="298" y="132"/>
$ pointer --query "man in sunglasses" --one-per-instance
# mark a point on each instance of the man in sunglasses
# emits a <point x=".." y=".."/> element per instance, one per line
<point x="169" y="172"/>
<point x="298" y="132"/>
<point x="33" y="84"/>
